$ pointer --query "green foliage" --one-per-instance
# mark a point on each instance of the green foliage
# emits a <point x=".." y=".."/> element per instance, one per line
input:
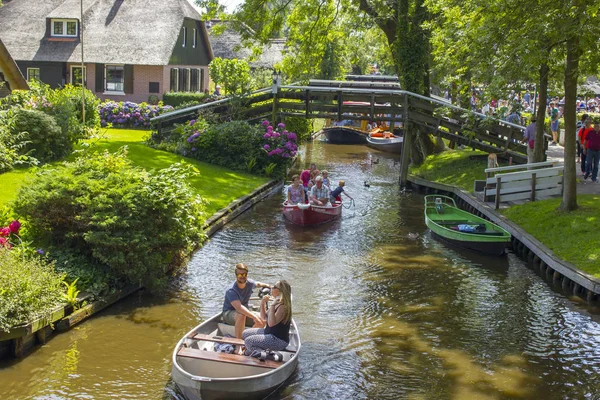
<point x="12" y="143"/>
<point x="251" y="164"/>
<point x="153" y="99"/>
<point x="176" y="99"/>
<point x="29" y="288"/>
<point x="269" y="169"/>
<point x="46" y="140"/>
<point x="232" y="74"/>
<point x="70" y="296"/>
<point x="64" y="104"/>
<point x="114" y="218"/>
<point x="302" y="127"/>
<point x="261" y="78"/>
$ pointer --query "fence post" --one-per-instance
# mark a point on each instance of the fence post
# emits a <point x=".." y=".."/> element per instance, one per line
<point x="498" y="183"/>
<point x="533" y="176"/>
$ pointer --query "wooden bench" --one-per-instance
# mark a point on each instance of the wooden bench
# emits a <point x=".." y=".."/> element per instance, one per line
<point x="228" y="340"/>
<point x="538" y="179"/>
<point x="227" y="358"/>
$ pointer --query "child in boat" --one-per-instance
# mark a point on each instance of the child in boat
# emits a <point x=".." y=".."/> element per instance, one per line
<point x="295" y="192"/>
<point x="337" y="192"/>
<point x="325" y="176"/>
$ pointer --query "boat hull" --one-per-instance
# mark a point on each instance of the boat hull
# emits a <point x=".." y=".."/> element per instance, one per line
<point x="388" y="145"/>
<point x="313" y="215"/>
<point x="443" y="219"/>
<point x="213" y="379"/>
<point x="344" y="135"/>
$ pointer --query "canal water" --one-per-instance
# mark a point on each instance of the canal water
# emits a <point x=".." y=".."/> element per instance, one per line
<point x="382" y="314"/>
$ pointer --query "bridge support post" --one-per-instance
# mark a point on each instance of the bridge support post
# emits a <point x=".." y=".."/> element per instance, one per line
<point x="406" y="147"/>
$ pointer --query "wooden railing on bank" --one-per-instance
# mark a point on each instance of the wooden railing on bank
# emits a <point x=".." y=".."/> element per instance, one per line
<point x="375" y="101"/>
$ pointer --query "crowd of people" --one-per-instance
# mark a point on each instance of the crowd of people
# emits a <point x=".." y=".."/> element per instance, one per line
<point x="314" y="187"/>
<point x="588" y="146"/>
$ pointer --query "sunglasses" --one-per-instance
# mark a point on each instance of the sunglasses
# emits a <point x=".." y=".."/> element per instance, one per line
<point x="243" y="274"/>
<point x="276" y="287"/>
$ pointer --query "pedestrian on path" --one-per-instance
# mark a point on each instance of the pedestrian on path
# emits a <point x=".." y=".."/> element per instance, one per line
<point x="580" y="125"/>
<point x="592" y="146"/>
<point x="554" y="123"/>
<point x="529" y="139"/>
<point x="583" y="132"/>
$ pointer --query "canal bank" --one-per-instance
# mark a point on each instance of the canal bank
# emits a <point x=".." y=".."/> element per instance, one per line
<point x="560" y="274"/>
<point x="22" y="339"/>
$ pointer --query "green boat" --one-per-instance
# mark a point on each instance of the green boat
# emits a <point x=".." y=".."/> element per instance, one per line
<point x="463" y="229"/>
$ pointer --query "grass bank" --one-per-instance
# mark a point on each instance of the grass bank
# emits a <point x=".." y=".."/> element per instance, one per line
<point x="454" y="167"/>
<point x="571" y="236"/>
<point x="217" y="185"/>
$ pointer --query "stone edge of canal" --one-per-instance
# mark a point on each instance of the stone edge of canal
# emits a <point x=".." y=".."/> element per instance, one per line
<point x="557" y="273"/>
<point x="20" y="340"/>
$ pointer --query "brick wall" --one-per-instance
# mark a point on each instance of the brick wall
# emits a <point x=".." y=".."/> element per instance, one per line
<point x="142" y="76"/>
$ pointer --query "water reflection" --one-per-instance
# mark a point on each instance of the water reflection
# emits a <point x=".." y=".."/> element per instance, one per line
<point x="385" y="311"/>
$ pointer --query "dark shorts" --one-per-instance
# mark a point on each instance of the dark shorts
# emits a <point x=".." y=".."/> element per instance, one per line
<point x="229" y="318"/>
<point x="554" y="126"/>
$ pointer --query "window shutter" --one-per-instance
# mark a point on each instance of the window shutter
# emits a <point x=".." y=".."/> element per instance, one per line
<point x="99" y="77"/>
<point x="202" y="79"/>
<point x="194" y="80"/>
<point x="128" y="77"/>
<point x="174" y="80"/>
<point x="184" y="79"/>
<point x="187" y="79"/>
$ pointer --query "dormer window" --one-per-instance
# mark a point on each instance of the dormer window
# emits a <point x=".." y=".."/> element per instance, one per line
<point x="64" y="28"/>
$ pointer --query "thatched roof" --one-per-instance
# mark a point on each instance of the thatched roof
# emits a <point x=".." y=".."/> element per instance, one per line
<point x="10" y="71"/>
<point x="229" y="45"/>
<point x="115" y="31"/>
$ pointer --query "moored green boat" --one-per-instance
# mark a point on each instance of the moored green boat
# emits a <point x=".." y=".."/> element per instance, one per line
<point x="463" y="229"/>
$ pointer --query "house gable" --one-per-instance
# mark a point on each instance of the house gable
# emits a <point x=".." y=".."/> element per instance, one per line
<point x="10" y="72"/>
<point x="192" y="46"/>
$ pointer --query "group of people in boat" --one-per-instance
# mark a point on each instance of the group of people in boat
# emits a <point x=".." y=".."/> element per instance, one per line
<point x="270" y="327"/>
<point x="314" y="187"/>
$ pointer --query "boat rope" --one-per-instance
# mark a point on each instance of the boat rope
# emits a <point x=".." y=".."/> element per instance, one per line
<point x="349" y="205"/>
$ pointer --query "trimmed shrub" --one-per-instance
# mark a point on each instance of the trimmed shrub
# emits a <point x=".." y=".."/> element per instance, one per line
<point x="129" y="115"/>
<point x="29" y="288"/>
<point x="109" y="217"/>
<point x="43" y="137"/>
<point x="175" y="99"/>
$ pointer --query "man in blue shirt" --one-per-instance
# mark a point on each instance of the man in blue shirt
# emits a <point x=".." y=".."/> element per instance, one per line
<point x="235" y="305"/>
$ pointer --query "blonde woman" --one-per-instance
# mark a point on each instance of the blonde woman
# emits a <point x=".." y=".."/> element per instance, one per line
<point x="276" y="333"/>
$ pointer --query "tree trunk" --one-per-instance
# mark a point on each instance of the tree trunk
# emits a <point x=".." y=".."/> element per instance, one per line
<point x="569" y="200"/>
<point x="540" y="141"/>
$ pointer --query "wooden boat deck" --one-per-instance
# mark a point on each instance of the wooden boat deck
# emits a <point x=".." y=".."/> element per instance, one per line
<point x="227" y="358"/>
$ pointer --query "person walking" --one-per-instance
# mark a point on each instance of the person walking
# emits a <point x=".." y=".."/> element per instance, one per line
<point x="592" y="146"/>
<point x="554" y="123"/>
<point x="529" y="139"/>
<point x="583" y="132"/>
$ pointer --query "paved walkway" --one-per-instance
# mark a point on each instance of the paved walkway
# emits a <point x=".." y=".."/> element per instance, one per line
<point x="556" y="153"/>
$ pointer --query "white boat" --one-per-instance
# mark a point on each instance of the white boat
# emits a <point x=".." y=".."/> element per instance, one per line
<point x="202" y="373"/>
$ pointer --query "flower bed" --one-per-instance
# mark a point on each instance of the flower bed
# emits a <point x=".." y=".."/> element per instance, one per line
<point x="129" y="115"/>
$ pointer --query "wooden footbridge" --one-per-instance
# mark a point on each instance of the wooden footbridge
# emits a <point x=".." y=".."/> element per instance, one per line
<point x="375" y="100"/>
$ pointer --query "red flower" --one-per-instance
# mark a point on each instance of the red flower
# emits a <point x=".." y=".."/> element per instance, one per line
<point x="15" y="226"/>
<point x="5" y="231"/>
<point x="4" y="242"/>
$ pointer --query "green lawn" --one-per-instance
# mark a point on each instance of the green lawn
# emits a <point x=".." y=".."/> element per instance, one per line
<point x="453" y="167"/>
<point x="217" y="185"/>
<point x="571" y="236"/>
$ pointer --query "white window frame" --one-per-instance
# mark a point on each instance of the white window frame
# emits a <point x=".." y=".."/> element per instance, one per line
<point x="63" y="22"/>
<point x="194" y="42"/>
<point x="29" y="74"/>
<point x="84" y="77"/>
<point x="117" y="92"/>
<point x="184" y="36"/>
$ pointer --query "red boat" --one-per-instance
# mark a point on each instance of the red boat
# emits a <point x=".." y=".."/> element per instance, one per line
<point x="308" y="214"/>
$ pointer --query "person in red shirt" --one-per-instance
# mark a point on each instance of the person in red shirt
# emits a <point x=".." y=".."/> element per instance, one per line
<point x="592" y="148"/>
<point x="582" y="134"/>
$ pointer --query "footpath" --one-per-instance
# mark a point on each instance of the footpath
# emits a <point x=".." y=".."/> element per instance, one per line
<point x="557" y="153"/>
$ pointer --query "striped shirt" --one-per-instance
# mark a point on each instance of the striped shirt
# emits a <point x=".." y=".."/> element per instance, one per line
<point x="320" y="193"/>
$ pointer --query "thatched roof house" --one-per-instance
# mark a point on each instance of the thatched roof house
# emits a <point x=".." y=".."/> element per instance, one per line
<point x="10" y="75"/>
<point x="132" y="48"/>
<point x="229" y="44"/>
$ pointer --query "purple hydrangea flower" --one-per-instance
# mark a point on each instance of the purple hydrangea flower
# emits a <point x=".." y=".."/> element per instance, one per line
<point x="281" y="125"/>
<point x="266" y="147"/>
<point x="265" y="123"/>
<point x="40" y="251"/>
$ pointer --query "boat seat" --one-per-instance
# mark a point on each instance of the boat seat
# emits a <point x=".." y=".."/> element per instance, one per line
<point x="230" y="340"/>
<point x="226" y="358"/>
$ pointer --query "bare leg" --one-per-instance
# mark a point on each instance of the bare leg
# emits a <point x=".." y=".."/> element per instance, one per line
<point x="555" y="136"/>
<point x="240" y="324"/>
